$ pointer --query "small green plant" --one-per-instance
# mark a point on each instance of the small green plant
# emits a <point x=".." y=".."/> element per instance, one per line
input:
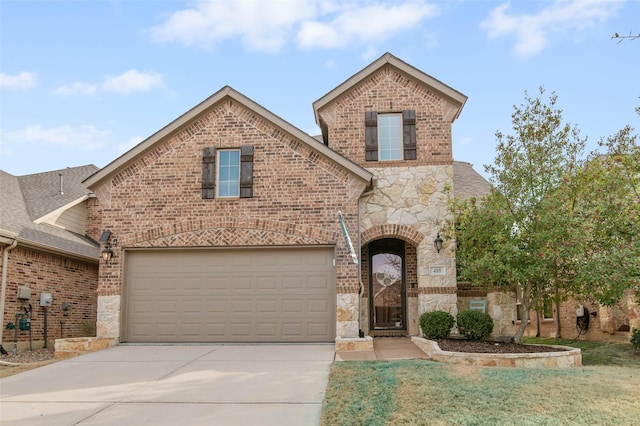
<point x="436" y="324"/>
<point x="635" y="338"/>
<point x="474" y="325"/>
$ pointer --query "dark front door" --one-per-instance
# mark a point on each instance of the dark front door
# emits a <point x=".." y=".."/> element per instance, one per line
<point x="387" y="288"/>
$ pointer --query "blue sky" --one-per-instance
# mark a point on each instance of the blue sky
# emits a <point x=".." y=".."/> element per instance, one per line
<point x="81" y="82"/>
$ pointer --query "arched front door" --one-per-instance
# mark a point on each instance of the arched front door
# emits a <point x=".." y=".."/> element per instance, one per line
<point x="387" y="286"/>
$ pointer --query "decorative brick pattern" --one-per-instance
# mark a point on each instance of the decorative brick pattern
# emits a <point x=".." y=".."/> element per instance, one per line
<point x="392" y="230"/>
<point x="156" y="200"/>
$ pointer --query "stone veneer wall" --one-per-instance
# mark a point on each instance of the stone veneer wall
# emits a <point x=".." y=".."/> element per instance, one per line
<point x="410" y="203"/>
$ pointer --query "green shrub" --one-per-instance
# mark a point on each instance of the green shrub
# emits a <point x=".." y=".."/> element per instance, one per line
<point x="635" y="338"/>
<point x="474" y="325"/>
<point x="436" y="324"/>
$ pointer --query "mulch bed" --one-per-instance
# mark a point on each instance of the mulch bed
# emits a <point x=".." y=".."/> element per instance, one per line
<point x="467" y="346"/>
<point x="25" y="356"/>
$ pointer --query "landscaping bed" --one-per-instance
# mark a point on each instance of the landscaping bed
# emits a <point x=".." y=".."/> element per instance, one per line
<point x="467" y="346"/>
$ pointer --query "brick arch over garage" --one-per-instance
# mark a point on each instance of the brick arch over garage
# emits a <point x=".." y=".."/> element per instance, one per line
<point x="403" y="232"/>
<point x="229" y="232"/>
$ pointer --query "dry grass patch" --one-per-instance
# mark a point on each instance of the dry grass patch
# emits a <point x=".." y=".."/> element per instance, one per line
<point x="418" y="392"/>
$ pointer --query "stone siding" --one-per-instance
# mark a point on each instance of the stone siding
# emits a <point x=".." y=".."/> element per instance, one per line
<point x="409" y="197"/>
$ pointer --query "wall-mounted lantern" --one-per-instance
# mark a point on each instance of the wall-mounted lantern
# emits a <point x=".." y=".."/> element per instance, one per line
<point x="106" y="252"/>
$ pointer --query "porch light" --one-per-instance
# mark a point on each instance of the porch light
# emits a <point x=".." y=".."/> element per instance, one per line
<point x="107" y="253"/>
<point x="437" y="243"/>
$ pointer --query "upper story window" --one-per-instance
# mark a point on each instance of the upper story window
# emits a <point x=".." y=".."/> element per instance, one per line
<point x="390" y="136"/>
<point x="227" y="173"/>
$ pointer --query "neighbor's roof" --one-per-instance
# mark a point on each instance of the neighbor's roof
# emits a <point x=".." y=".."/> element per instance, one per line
<point x="26" y="200"/>
<point x="184" y="120"/>
<point x="468" y="183"/>
<point x="447" y="92"/>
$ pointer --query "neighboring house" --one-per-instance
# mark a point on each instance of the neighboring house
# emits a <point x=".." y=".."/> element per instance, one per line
<point x="45" y="251"/>
<point x="224" y="225"/>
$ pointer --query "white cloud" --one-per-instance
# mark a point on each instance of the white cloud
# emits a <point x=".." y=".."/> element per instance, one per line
<point x="84" y="138"/>
<point x="77" y="88"/>
<point x="124" y="147"/>
<point x="364" y="24"/>
<point x="532" y="31"/>
<point x="132" y="81"/>
<point x="269" y="26"/>
<point x="23" y="81"/>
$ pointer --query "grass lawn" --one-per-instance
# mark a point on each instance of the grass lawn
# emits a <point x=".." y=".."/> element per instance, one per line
<point x="418" y="392"/>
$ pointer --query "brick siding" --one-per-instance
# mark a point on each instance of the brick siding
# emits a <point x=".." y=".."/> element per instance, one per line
<point x="68" y="280"/>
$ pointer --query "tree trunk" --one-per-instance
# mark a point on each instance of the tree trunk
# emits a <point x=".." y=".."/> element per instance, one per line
<point x="517" y="338"/>
<point x="557" y="315"/>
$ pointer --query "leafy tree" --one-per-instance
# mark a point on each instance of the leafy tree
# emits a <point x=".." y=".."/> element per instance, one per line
<point x="547" y="230"/>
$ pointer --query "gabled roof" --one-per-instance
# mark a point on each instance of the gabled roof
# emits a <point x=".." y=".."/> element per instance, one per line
<point x="26" y="200"/>
<point x="49" y="191"/>
<point x="224" y="93"/>
<point x="455" y="97"/>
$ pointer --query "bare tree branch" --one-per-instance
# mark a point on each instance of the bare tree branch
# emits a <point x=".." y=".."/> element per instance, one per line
<point x="622" y="38"/>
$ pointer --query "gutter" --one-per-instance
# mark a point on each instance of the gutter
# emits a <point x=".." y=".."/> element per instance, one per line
<point x="3" y="293"/>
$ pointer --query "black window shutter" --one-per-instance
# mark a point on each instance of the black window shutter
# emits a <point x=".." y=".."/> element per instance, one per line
<point x="371" y="135"/>
<point x="409" y="133"/>
<point x="208" y="172"/>
<point x="246" y="171"/>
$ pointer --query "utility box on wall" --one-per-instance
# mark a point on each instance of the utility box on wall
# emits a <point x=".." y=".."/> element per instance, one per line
<point x="45" y="299"/>
<point x="24" y="293"/>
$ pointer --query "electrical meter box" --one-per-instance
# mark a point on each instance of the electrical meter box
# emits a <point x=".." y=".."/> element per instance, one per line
<point x="25" y="324"/>
<point x="45" y="299"/>
<point x="24" y="293"/>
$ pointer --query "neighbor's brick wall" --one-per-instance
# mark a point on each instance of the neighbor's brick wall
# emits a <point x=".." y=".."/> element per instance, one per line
<point x="568" y="328"/>
<point x="156" y="201"/>
<point x="68" y="280"/>
<point x="389" y="90"/>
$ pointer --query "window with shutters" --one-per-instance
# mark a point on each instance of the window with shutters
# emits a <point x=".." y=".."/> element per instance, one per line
<point x="227" y="173"/>
<point x="390" y="136"/>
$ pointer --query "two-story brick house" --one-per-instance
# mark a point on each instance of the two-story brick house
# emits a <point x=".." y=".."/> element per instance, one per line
<point x="224" y="225"/>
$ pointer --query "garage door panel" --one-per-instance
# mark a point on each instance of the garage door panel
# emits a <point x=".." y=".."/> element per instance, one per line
<point x="236" y="295"/>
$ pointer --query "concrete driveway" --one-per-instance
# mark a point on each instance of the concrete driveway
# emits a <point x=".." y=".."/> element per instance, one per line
<point x="174" y="385"/>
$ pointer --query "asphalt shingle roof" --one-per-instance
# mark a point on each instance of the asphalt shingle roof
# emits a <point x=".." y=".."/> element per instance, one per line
<point x="468" y="183"/>
<point x="24" y="199"/>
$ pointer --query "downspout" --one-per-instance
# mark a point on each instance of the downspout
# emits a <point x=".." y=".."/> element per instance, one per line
<point x="3" y="294"/>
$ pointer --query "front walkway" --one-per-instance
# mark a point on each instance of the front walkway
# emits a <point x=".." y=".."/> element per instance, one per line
<point x="385" y="348"/>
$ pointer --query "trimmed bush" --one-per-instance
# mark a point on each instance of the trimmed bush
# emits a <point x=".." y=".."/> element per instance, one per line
<point x="474" y="325"/>
<point x="436" y="324"/>
<point x="635" y="339"/>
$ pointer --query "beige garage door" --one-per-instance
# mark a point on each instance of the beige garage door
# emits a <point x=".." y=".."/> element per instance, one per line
<point x="230" y="295"/>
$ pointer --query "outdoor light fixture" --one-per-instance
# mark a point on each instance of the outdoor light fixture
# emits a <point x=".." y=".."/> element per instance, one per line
<point x="437" y="243"/>
<point x="107" y="253"/>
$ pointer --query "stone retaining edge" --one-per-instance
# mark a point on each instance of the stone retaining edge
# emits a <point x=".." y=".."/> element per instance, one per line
<point x="68" y="348"/>
<point x="568" y="357"/>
